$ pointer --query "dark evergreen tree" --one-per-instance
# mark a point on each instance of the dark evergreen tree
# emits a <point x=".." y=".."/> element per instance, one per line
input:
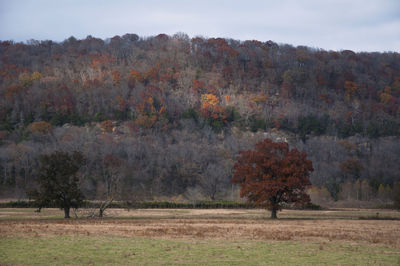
<point x="59" y="182"/>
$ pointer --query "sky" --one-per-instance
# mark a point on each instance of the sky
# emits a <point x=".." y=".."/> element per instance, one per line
<point x="358" y="25"/>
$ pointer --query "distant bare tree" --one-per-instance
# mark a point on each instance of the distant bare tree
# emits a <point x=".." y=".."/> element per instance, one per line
<point x="112" y="179"/>
<point x="213" y="180"/>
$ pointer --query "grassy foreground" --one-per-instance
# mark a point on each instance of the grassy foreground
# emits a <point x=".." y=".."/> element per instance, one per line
<point x="100" y="250"/>
<point x="201" y="237"/>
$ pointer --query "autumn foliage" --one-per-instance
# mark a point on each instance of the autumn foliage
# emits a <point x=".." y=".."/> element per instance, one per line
<point x="209" y="100"/>
<point x="107" y="126"/>
<point x="40" y="127"/>
<point x="211" y="110"/>
<point x="272" y="175"/>
<point x="171" y="105"/>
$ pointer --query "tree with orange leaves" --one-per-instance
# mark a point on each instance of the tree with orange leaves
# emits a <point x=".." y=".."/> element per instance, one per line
<point x="209" y="100"/>
<point x="272" y="175"/>
<point x="351" y="90"/>
<point x="116" y="76"/>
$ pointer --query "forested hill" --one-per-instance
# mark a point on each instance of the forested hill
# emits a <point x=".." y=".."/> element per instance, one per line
<point x="172" y="112"/>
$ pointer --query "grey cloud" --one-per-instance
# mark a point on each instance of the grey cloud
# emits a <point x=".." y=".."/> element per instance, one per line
<point x="360" y="25"/>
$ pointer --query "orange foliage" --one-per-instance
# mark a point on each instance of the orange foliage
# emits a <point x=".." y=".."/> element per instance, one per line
<point x="162" y="110"/>
<point x="99" y="60"/>
<point x="211" y="109"/>
<point x="145" y="121"/>
<point x="136" y="75"/>
<point x="147" y="103"/>
<point x="222" y="47"/>
<point x="215" y="112"/>
<point x="25" y="79"/>
<point x="386" y="95"/>
<point x="36" y="76"/>
<point x="150" y="106"/>
<point x="349" y="146"/>
<point x="13" y="90"/>
<point x="122" y="103"/>
<point x="260" y="98"/>
<point x="209" y="99"/>
<point x="167" y="77"/>
<point x="198" y="85"/>
<point x="9" y="71"/>
<point x="272" y="175"/>
<point x="152" y="73"/>
<point x="351" y="89"/>
<point x="107" y="126"/>
<point x="41" y="127"/>
<point x="351" y="167"/>
<point x="116" y="76"/>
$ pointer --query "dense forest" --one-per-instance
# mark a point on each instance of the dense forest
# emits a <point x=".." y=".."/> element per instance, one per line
<point x="165" y="116"/>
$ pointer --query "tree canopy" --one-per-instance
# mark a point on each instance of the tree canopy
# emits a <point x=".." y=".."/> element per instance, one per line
<point x="59" y="182"/>
<point x="272" y="174"/>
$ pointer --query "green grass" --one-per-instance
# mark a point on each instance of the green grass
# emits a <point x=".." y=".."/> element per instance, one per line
<point x="29" y="213"/>
<point x="100" y="250"/>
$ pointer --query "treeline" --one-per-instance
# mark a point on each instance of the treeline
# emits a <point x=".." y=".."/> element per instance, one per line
<point x="357" y="191"/>
<point x="155" y="205"/>
<point x="192" y="161"/>
<point x="168" y="114"/>
<point x="143" y="205"/>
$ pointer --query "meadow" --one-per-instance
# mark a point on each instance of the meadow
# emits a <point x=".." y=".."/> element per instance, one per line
<point x="196" y="236"/>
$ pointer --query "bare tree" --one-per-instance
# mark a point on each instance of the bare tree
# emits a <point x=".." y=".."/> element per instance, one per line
<point x="112" y="180"/>
<point x="213" y="180"/>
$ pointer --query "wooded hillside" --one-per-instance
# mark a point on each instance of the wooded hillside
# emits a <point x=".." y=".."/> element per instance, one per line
<point x="166" y="115"/>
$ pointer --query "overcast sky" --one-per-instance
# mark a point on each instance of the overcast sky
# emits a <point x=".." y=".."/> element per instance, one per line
<point x="359" y="25"/>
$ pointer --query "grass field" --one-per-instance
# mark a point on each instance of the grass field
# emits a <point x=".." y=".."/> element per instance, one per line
<point x="216" y="237"/>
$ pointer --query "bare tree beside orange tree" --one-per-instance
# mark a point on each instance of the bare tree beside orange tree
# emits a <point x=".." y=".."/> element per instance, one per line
<point x="272" y="175"/>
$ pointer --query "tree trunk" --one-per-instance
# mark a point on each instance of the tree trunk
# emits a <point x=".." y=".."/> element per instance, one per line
<point x="103" y="207"/>
<point x="273" y="214"/>
<point x="66" y="212"/>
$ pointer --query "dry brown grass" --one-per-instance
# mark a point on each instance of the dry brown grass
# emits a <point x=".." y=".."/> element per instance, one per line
<point x="211" y="224"/>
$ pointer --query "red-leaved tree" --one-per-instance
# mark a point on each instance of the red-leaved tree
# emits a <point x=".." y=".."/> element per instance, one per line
<point x="272" y="175"/>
